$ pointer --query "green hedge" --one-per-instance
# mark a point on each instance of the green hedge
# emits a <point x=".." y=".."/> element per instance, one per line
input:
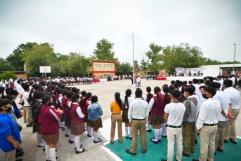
<point x="7" y="75"/>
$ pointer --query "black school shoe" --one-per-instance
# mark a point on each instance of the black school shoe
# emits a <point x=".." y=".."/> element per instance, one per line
<point x="19" y="153"/>
<point x="149" y="130"/>
<point x="89" y="135"/>
<point x="129" y="152"/>
<point x="155" y="142"/>
<point x="78" y="152"/>
<point x="219" y="149"/>
<point x="71" y="142"/>
<point x="233" y="141"/>
<point x="97" y="141"/>
<point x="186" y="155"/>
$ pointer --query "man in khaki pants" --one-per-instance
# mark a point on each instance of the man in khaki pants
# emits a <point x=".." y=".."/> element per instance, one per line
<point x="223" y="116"/>
<point x="138" y="114"/>
<point x="207" y="124"/>
<point x="189" y="120"/>
<point x="234" y="96"/>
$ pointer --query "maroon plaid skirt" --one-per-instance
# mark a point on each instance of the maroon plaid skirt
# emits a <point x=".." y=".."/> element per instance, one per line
<point x="156" y="120"/>
<point x="77" y="129"/>
<point x="96" y="124"/>
<point x="51" y="139"/>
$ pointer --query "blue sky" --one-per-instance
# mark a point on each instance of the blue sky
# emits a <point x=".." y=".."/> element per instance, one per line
<point x="76" y="25"/>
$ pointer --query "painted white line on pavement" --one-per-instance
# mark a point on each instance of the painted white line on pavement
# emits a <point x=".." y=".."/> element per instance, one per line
<point x="113" y="155"/>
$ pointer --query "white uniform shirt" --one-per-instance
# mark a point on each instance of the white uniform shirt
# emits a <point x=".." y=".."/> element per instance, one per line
<point x="138" y="79"/>
<point x="175" y="113"/>
<point x="209" y="113"/>
<point x="138" y="109"/>
<point x="25" y="99"/>
<point x="224" y="102"/>
<point x="234" y="96"/>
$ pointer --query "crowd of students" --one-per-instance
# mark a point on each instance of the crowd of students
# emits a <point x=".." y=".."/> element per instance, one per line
<point x="207" y="107"/>
<point x="47" y="108"/>
<point x="179" y="111"/>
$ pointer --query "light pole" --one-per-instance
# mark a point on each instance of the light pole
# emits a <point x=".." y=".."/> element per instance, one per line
<point x="133" y="57"/>
<point x="234" y="57"/>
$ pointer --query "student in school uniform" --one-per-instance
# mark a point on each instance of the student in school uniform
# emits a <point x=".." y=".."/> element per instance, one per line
<point x="174" y="113"/>
<point x="84" y="103"/>
<point x="156" y="106"/>
<point x="207" y="124"/>
<point x="234" y="96"/>
<point x="94" y="116"/>
<point x="189" y="120"/>
<point x="48" y="120"/>
<point x="116" y="117"/>
<point x="138" y="114"/>
<point x="149" y="96"/>
<point x="167" y="100"/>
<point x="67" y="115"/>
<point x="223" y="116"/>
<point x="127" y="101"/>
<point x="77" y="123"/>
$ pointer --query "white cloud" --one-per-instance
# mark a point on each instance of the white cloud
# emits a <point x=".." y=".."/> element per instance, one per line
<point x="77" y="25"/>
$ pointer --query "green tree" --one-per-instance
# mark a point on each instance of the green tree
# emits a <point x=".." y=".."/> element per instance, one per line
<point x="7" y="75"/>
<point x="5" y="65"/>
<point x="104" y="50"/>
<point x="16" y="58"/>
<point x="136" y="67"/>
<point x="123" y="68"/>
<point x="155" y="57"/>
<point x="38" y="55"/>
<point x="144" y="65"/>
<point x="79" y="64"/>
<point x="181" y="56"/>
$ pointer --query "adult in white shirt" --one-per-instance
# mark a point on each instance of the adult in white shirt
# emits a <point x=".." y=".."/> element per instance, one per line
<point x="27" y="110"/>
<point x="174" y="113"/>
<point x="223" y="122"/>
<point x="207" y="124"/>
<point x="138" y="115"/>
<point x="234" y="96"/>
<point x="138" y="81"/>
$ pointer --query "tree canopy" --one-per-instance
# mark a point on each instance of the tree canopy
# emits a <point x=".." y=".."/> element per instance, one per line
<point x="104" y="50"/>
<point x="31" y="55"/>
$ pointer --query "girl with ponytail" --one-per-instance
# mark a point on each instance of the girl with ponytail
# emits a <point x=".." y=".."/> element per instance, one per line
<point x="116" y="107"/>
<point x="128" y="99"/>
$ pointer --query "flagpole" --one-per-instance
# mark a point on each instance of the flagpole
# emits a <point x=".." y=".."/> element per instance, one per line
<point x="133" y="57"/>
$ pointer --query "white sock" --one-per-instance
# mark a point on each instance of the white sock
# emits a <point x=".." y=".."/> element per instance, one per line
<point x="40" y="139"/>
<point x="130" y="132"/>
<point x="85" y="126"/>
<point x="156" y="132"/>
<point x="77" y="142"/>
<point x="160" y="134"/>
<point x="95" y="136"/>
<point x="71" y="137"/>
<point x="47" y="152"/>
<point x="164" y="130"/>
<point x="149" y="126"/>
<point x="67" y="131"/>
<point x="89" y="130"/>
<point x="126" y="130"/>
<point x="52" y="154"/>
